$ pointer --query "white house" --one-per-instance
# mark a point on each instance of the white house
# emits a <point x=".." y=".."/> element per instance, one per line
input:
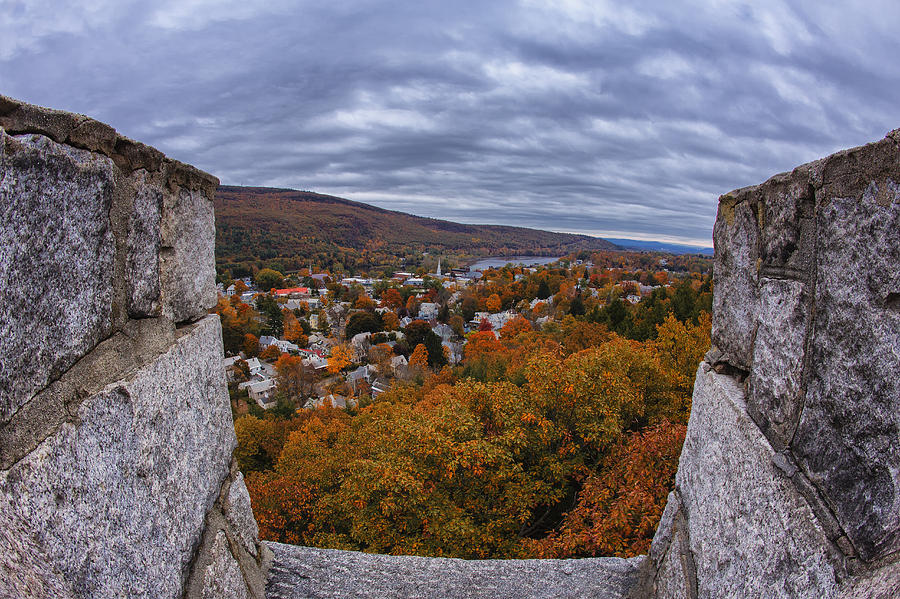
<point x="399" y="364"/>
<point x="443" y="331"/>
<point x="286" y="346"/>
<point x="363" y="373"/>
<point x="255" y="366"/>
<point x="428" y="310"/>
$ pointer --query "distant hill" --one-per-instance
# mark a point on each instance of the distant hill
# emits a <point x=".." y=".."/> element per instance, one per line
<point x="659" y="246"/>
<point x="256" y="224"/>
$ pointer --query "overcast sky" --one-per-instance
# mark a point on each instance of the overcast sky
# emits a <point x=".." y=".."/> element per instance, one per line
<point x="616" y="119"/>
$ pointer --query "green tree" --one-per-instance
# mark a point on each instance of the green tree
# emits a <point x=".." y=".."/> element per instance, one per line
<point x="363" y="322"/>
<point x="267" y="279"/>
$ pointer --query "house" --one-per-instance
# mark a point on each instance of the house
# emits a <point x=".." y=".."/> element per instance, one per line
<point x="348" y="281"/>
<point x="399" y="365"/>
<point x="282" y="345"/>
<point x="263" y="393"/>
<point x="363" y="373"/>
<point x="286" y="346"/>
<point x="295" y="303"/>
<point x="230" y="291"/>
<point x="228" y="366"/>
<point x="255" y="366"/>
<point x="379" y="386"/>
<point x="428" y="310"/>
<point x="360" y="345"/>
<point x="314" y="361"/>
<point x="443" y="331"/>
<point x="454" y="351"/>
<point x="247" y="297"/>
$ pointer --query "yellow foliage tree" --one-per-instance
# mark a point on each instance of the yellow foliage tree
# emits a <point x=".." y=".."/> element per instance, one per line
<point x="340" y="357"/>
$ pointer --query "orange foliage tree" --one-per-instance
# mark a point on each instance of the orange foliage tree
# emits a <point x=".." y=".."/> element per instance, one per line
<point x="517" y="325"/>
<point x="295" y="379"/>
<point x="493" y="303"/>
<point x="419" y="358"/>
<point x="270" y="353"/>
<point x="390" y="321"/>
<point x="251" y="345"/>
<point x="292" y="329"/>
<point x="619" y="508"/>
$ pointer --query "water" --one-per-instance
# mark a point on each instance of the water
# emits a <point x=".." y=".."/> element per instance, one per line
<point x="500" y="261"/>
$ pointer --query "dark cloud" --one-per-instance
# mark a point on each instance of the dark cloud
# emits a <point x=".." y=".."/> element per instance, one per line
<point x="574" y="115"/>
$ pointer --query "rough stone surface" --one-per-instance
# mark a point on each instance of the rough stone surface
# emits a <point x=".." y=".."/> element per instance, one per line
<point x="240" y="515"/>
<point x="305" y="572"/>
<point x="140" y="342"/>
<point x="883" y="583"/>
<point x="142" y="267"/>
<point x="777" y="376"/>
<point x="751" y="532"/>
<point x="848" y="439"/>
<point x="187" y="259"/>
<point x="25" y="570"/>
<point x="117" y="499"/>
<point x="664" y="529"/>
<point x="222" y="578"/>
<point x="786" y="223"/>
<point x="735" y="268"/>
<point x="674" y="580"/>
<point x="56" y="261"/>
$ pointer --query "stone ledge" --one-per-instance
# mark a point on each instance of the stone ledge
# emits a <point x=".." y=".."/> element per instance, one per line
<point x="81" y="131"/>
<point x="307" y="572"/>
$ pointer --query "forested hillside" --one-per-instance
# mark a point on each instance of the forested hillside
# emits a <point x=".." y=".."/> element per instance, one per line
<point x="286" y="229"/>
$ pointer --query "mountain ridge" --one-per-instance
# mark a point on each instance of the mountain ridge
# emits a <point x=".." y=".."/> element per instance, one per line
<point x="263" y="223"/>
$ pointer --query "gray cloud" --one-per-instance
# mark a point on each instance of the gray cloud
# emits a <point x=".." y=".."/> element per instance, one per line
<point x="572" y="115"/>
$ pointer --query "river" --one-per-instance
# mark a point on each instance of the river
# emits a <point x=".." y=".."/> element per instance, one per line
<point x="499" y="261"/>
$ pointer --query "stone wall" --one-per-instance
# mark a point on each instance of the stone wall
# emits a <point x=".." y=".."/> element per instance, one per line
<point x="116" y="475"/>
<point x="789" y="480"/>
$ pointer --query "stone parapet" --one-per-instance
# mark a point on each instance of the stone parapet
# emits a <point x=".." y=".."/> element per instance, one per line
<point x="95" y="230"/>
<point x="116" y="438"/>
<point x="807" y="308"/>
<point x="787" y="485"/>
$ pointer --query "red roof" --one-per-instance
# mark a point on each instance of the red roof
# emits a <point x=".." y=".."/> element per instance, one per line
<point x="299" y="290"/>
